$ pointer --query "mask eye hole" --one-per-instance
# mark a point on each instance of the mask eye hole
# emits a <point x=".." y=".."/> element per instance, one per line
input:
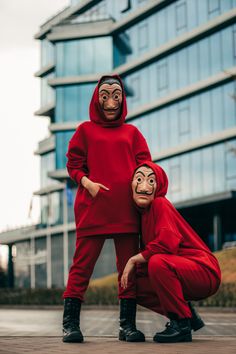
<point x="151" y="181"/>
<point x="139" y="179"/>
<point x="104" y="97"/>
<point x="116" y="97"/>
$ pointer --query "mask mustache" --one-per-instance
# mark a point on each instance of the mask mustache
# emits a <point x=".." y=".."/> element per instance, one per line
<point x="143" y="193"/>
<point x="111" y="110"/>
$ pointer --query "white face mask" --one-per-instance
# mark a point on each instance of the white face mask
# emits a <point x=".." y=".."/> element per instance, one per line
<point x="144" y="186"/>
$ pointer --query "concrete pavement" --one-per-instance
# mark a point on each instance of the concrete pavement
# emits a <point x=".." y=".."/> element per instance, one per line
<point x="39" y="331"/>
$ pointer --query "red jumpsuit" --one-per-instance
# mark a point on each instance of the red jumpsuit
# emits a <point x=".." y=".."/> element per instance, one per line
<point x="180" y="266"/>
<point x="106" y="152"/>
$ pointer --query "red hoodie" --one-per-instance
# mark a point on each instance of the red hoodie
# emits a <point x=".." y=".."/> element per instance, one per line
<point x="164" y="230"/>
<point x="106" y="152"/>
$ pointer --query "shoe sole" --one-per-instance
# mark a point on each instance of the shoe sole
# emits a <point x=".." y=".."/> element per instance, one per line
<point x="73" y="338"/>
<point x="124" y="339"/>
<point x="198" y="326"/>
<point x="184" y="338"/>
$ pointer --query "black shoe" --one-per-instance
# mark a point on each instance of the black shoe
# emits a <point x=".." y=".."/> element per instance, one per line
<point x="176" y="331"/>
<point x="128" y="331"/>
<point x="71" y="321"/>
<point x="196" y="321"/>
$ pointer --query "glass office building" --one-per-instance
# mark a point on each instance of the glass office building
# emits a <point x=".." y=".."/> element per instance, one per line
<point x="177" y="59"/>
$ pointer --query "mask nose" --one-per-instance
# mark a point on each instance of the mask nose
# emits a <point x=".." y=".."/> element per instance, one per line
<point x="144" y="187"/>
<point x="110" y="104"/>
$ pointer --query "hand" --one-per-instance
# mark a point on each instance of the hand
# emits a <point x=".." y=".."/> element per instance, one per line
<point x="92" y="187"/>
<point x="129" y="268"/>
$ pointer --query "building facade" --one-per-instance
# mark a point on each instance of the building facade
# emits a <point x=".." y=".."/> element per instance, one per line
<point x="177" y="59"/>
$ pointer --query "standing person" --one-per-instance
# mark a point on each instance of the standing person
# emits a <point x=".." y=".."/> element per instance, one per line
<point x="102" y="155"/>
<point x="175" y="265"/>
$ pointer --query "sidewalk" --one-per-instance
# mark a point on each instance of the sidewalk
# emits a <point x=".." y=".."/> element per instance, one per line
<point x="38" y="331"/>
<point x="48" y="345"/>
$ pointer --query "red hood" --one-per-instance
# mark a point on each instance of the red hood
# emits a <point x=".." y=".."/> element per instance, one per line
<point x="162" y="180"/>
<point x="95" y="111"/>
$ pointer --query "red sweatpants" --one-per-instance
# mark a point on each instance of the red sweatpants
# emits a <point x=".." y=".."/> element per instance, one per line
<point x="167" y="282"/>
<point x="86" y="254"/>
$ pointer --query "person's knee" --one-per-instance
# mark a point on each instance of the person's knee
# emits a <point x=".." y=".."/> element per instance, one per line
<point x="157" y="265"/>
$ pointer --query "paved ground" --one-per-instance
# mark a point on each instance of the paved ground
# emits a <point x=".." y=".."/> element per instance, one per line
<point x="39" y="331"/>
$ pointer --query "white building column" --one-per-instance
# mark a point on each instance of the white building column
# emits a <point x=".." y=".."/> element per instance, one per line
<point x="217" y="232"/>
<point x="32" y="263"/>
<point x="65" y="234"/>
<point x="49" y="260"/>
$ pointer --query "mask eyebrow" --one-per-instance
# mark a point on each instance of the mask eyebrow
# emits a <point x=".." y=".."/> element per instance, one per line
<point x="152" y="173"/>
<point x="104" y="91"/>
<point x="140" y="172"/>
<point x="117" y="90"/>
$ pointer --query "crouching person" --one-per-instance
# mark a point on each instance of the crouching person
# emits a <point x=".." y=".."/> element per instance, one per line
<point x="175" y="266"/>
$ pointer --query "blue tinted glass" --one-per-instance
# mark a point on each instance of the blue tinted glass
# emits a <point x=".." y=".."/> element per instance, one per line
<point x="181" y="16"/>
<point x="143" y="36"/>
<point x="182" y="60"/>
<point x="86" y="50"/>
<point x="219" y="168"/>
<point x="206" y="113"/>
<point x="171" y="22"/>
<point x="59" y="59"/>
<point x="230" y="151"/>
<point x="204" y="58"/>
<point x="47" y="92"/>
<point x="62" y="141"/>
<point x="227" y="48"/>
<point x="71" y="56"/>
<point x="213" y="7"/>
<point x="207" y="171"/>
<point x="195" y="117"/>
<point x="217" y="109"/>
<point x="196" y="171"/>
<point x="47" y="162"/>
<point x="162" y="26"/>
<point x="193" y="62"/>
<point x="174" y="129"/>
<point x="47" y="53"/>
<point x="202" y="11"/>
<point x="173" y="73"/>
<point x="186" y="181"/>
<point x="226" y="5"/>
<point x="73" y="102"/>
<point x="164" y="120"/>
<point x="215" y="53"/>
<point x="192" y="19"/>
<point x="184" y="120"/>
<point x="175" y="178"/>
<point x="229" y="103"/>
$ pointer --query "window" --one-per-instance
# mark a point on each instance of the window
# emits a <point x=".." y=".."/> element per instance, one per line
<point x="125" y="5"/>
<point x="234" y="43"/>
<point x="181" y="16"/>
<point x="135" y="86"/>
<point x="143" y="36"/>
<point x="184" y="118"/>
<point x="162" y="76"/>
<point x="175" y="178"/>
<point x="230" y="149"/>
<point x="213" y="6"/>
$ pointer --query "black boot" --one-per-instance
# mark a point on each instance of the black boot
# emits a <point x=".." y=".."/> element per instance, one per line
<point x="196" y="321"/>
<point x="176" y="331"/>
<point x="128" y="331"/>
<point x="71" y="321"/>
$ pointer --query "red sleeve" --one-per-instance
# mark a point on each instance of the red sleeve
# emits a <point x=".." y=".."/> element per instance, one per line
<point x="166" y="238"/>
<point x="77" y="156"/>
<point x="166" y="241"/>
<point x="141" y="149"/>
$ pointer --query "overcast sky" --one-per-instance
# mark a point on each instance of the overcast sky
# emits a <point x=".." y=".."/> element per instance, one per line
<point x="20" y="130"/>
